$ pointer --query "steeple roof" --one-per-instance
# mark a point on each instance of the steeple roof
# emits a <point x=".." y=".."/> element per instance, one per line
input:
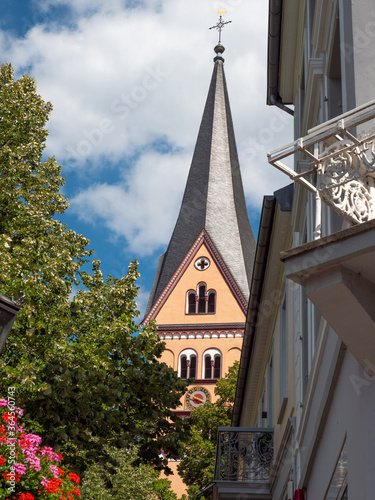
<point x="214" y="199"/>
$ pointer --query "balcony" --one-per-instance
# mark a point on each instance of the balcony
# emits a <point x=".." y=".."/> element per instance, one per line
<point x="342" y="172"/>
<point x="243" y="464"/>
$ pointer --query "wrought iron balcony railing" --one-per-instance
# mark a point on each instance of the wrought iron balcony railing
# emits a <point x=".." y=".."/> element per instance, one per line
<point x="244" y="454"/>
<point x="342" y="165"/>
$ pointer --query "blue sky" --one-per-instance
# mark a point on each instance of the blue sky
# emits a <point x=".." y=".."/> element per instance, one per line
<point x="128" y="81"/>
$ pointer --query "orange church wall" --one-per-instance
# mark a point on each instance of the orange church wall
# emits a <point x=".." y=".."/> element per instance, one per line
<point x="227" y="308"/>
<point x="169" y="357"/>
<point x="234" y="354"/>
<point x="178" y="486"/>
<point x="230" y="349"/>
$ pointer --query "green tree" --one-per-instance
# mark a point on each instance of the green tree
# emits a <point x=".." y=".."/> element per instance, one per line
<point x="79" y="366"/>
<point x="120" y="480"/>
<point x="198" y="463"/>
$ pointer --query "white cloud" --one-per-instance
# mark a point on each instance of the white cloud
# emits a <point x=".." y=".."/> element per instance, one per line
<point x="142" y="301"/>
<point x="121" y="79"/>
<point x="143" y="207"/>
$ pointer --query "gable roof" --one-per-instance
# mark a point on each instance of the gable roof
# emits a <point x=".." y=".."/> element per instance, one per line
<point x="203" y="239"/>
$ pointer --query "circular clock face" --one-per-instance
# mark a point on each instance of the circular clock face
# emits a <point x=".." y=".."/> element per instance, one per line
<point x="196" y="396"/>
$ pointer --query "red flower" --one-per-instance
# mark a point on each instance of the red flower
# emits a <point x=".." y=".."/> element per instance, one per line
<point x="61" y="471"/>
<point x="53" y="484"/>
<point x="25" y="496"/>
<point x="24" y="443"/>
<point x="9" y="416"/>
<point x="76" y="491"/>
<point x="2" y="460"/>
<point x="10" y="477"/>
<point x="74" y="477"/>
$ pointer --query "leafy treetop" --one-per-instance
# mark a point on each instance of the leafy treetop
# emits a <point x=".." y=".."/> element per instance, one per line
<point x="81" y="367"/>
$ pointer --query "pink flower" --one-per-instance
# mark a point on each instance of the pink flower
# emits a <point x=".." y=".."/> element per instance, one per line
<point x="34" y="462"/>
<point x="4" y="402"/>
<point x="33" y="438"/>
<point x="55" y="470"/>
<point x="44" y="481"/>
<point x="50" y="454"/>
<point x="47" y="450"/>
<point x="20" y="468"/>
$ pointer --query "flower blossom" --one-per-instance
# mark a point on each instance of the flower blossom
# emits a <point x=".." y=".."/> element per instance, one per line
<point x="26" y="496"/>
<point x="20" y="468"/>
<point x="36" y="470"/>
<point x="74" y="477"/>
<point x="55" y="470"/>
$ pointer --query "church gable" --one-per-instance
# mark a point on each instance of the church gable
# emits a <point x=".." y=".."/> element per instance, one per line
<point x="201" y="291"/>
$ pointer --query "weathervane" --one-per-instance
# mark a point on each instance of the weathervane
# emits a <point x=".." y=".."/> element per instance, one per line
<point x="221" y="23"/>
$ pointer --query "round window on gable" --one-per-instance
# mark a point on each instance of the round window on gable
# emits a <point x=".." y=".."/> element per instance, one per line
<point x="202" y="264"/>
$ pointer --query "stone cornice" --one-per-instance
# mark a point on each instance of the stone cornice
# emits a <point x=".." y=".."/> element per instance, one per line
<point x="201" y="327"/>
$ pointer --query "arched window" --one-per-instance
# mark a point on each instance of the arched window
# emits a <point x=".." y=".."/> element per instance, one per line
<point x="212" y="364"/>
<point x="201" y="298"/>
<point x="187" y="366"/>
<point x="201" y="301"/>
<point x="193" y="367"/>
<point x="217" y="367"/>
<point x="207" y="367"/>
<point x="183" y="370"/>
<point x="211" y="306"/>
<point x="191" y="305"/>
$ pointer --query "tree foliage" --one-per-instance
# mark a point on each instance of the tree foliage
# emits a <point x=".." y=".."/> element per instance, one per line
<point x="79" y="365"/>
<point x="198" y="463"/>
<point x="119" y="480"/>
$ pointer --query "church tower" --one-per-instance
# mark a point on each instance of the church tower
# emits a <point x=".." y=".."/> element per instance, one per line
<point x="201" y="287"/>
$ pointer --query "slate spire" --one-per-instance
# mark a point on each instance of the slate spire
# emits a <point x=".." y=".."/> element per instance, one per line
<point x="214" y="198"/>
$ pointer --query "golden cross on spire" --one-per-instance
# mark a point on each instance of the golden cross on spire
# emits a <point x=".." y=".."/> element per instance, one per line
<point x="221" y="23"/>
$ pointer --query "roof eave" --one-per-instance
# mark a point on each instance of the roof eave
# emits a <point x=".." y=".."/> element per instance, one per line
<point x="281" y="201"/>
<point x="260" y="263"/>
<point x="273" y="51"/>
<point x="285" y="35"/>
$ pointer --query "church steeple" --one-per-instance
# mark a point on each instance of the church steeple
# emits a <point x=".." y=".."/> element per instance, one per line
<point x="214" y="199"/>
<point x="201" y="287"/>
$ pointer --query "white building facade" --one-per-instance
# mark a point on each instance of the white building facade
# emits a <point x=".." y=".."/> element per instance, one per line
<point x="305" y="402"/>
